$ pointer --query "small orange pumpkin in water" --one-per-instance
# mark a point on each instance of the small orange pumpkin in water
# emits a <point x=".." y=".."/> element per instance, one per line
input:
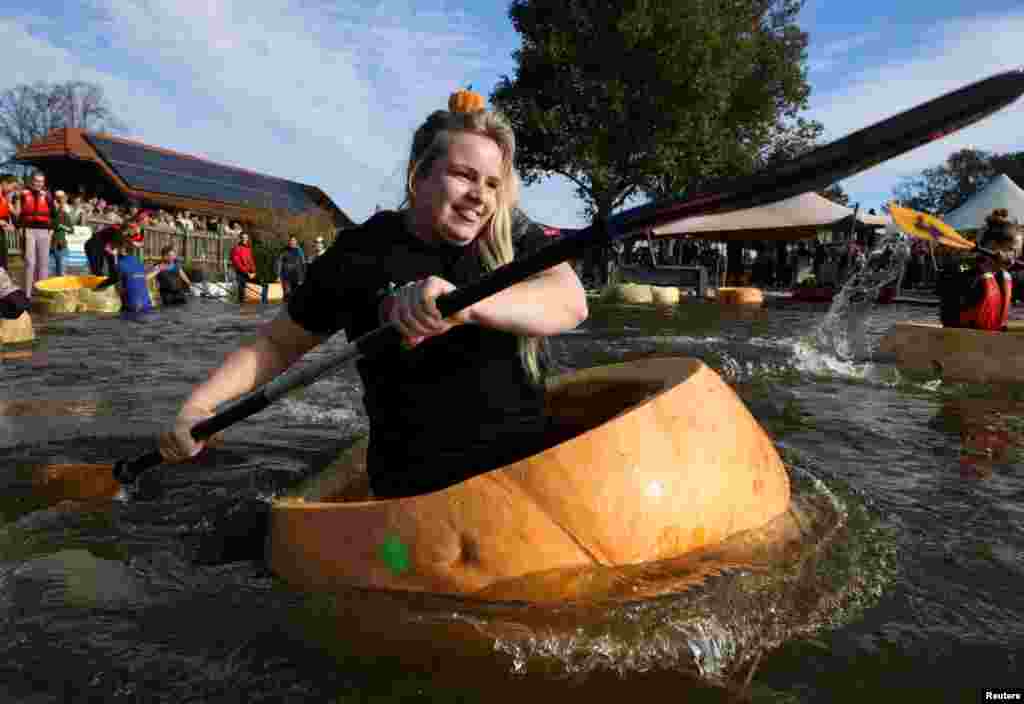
<point x="466" y="100"/>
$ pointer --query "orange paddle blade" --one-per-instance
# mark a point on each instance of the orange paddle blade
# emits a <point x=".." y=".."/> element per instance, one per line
<point x="927" y="227"/>
<point x="77" y="482"/>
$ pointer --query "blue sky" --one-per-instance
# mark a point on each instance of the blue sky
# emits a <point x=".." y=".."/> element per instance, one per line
<point x="329" y="93"/>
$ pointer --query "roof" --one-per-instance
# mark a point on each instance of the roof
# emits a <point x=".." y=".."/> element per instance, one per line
<point x="1002" y="192"/>
<point x="162" y="177"/>
<point x="796" y="218"/>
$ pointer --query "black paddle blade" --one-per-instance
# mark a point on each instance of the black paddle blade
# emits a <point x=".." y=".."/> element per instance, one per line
<point x="106" y="283"/>
<point x="812" y="171"/>
<point x="236" y="533"/>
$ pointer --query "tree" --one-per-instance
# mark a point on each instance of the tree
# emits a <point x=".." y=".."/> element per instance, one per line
<point x="29" y="112"/>
<point x="943" y="188"/>
<point x="836" y="194"/>
<point x="632" y="97"/>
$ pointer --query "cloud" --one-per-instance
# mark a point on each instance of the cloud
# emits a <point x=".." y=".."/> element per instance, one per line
<point x="946" y="56"/>
<point x="322" y="94"/>
<point x="825" y="57"/>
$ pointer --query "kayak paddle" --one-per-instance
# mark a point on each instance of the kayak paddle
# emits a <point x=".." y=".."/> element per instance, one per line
<point x="929" y="227"/>
<point x="812" y="171"/>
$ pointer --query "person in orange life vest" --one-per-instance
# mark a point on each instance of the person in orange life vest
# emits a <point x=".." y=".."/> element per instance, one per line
<point x="36" y="217"/>
<point x="8" y="215"/>
<point x="243" y="263"/>
<point x="981" y="297"/>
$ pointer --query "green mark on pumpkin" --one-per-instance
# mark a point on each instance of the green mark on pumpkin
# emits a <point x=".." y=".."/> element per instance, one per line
<point x="395" y="554"/>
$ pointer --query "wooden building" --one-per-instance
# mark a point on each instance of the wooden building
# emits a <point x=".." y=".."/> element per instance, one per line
<point x="126" y="171"/>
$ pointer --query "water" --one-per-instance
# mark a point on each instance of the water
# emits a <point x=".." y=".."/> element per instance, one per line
<point x="915" y="588"/>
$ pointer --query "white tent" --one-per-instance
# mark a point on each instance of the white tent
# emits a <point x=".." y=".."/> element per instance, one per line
<point x="795" y="218"/>
<point x="1000" y="193"/>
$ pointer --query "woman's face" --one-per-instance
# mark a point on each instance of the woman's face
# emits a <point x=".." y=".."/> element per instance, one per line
<point x="457" y="198"/>
<point x="170" y="257"/>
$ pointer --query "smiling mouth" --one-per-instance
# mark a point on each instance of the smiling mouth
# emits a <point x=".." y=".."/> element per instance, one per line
<point x="471" y="218"/>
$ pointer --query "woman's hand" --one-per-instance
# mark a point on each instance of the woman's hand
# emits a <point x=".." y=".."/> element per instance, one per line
<point x="177" y="444"/>
<point x="414" y="311"/>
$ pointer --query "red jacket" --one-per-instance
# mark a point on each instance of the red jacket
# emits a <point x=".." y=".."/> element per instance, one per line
<point x="993" y="309"/>
<point x="241" y="259"/>
<point x="35" y="210"/>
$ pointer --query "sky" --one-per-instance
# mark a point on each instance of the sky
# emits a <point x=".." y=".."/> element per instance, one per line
<point x="329" y="93"/>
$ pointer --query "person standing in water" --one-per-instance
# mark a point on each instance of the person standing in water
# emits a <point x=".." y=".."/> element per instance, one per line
<point x="981" y="297"/>
<point x="132" y="278"/>
<point x="467" y="396"/>
<point x="172" y="281"/>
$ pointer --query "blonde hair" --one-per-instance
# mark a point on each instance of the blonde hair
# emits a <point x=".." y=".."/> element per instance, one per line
<point x="431" y="142"/>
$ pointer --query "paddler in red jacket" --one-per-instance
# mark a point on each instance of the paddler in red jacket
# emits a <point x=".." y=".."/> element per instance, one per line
<point x="981" y="298"/>
<point x="243" y="263"/>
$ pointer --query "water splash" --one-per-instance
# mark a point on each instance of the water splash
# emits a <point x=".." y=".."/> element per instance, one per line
<point x="842" y="332"/>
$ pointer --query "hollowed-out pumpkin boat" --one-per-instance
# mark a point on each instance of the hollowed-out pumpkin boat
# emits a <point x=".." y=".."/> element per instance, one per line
<point x="78" y="294"/>
<point x="958" y="354"/>
<point x="651" y="459"/>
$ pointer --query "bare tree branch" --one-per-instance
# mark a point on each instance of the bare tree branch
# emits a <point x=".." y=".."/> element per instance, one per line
<point x="30" y="112"/>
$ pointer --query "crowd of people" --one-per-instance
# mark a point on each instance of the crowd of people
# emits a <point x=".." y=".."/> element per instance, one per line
<point x="115" y="248"/>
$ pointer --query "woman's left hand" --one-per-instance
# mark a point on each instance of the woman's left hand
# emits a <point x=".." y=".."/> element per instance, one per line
<point x="415" y="312"/>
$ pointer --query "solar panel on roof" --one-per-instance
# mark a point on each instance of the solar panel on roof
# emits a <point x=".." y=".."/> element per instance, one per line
<point x="147" y="169"/>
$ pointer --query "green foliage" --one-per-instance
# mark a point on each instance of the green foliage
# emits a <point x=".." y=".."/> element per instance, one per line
<point x="265" y="252"/>
<point x="636" y="97"/>
<point x="941" y="189"/>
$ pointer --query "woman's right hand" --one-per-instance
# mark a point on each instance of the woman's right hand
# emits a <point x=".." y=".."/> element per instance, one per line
<point x="177" y="444"/>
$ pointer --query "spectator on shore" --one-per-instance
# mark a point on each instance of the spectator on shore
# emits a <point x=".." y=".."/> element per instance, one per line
<point x="820" y="259"/>
<point x="318" y="248"/>
<point x="291" y="267"/>
<point x="78" y="207"/>
<point x="8" y="215"/>
<point x="185" y="221"/>
<point x="243" y="263"/>
<point x="36" y="217"/>
<point x="171" y="279"/>
<point x="63" y="225"/>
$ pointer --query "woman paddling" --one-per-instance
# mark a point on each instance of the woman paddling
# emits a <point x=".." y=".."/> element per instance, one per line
<point x="467" y="396"/>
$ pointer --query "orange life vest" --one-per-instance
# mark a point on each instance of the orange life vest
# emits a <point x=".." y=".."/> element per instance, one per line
<point x="993" y="309"/>
<point x="35" y="211"/>
<point x="5" y="207"/>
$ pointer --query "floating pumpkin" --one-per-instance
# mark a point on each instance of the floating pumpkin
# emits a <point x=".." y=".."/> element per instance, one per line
<point x="466" y="100"/>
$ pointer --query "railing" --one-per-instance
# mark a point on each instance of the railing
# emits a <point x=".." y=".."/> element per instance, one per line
<point x="210" y="249"/>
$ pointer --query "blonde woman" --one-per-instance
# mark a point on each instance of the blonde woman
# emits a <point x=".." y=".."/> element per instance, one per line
<point x="467" y="394"/>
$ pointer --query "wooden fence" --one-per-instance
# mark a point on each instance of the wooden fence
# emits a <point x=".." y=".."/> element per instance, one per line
<point x="210" y="249"/>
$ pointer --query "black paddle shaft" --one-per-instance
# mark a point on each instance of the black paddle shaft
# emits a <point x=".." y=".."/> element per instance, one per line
<point x="812" y="171"/>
